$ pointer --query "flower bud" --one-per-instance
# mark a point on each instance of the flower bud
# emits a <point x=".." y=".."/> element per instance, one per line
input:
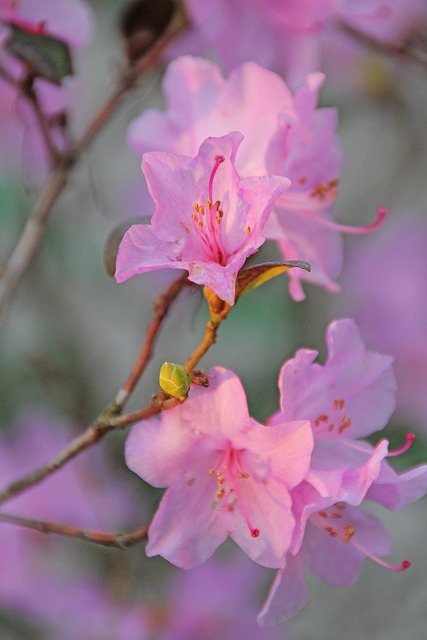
<point x="174" y="379"/>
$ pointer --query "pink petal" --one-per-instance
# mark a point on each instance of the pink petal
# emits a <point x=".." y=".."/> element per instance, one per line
<point x="287" y="595"/>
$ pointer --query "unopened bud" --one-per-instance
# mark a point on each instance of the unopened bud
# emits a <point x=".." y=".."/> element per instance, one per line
<point x="174" y="380"/>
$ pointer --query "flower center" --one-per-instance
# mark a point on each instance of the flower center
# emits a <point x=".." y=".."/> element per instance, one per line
<point x="325" y="189"/>
<point x="334" y="522"/>
<point x="336" y="421"/>
<point x="207" y="219"/>
<point x="228" y="496"/>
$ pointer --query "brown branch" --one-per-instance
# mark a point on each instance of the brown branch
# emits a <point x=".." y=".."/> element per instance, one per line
<point x="32" y="233"/>
<point x="52" y="151"/>
<point x="110" y="418"/>
<point x="207" y="342"/>
<point x="106" y="422"/>
<point x="128" y="81"/>
<point x="161" y="308"/>
<point x="406" y="50"/>
<point x="218" y="311"/>
<point x="118" y="540"/>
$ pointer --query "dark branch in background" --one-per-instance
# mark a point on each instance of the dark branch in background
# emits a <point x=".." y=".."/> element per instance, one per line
<point x="110" y="418"/>
<point x="117" y="540"/>
<point x="161" y="308"/>
<point x="63" y="162"/>
<point x="408" y="50"/>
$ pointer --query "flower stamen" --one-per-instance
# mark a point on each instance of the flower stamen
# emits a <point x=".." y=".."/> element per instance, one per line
<point x="208" y="220"/>
<point x="409" y="439"/>
<point x="229" y="487"/>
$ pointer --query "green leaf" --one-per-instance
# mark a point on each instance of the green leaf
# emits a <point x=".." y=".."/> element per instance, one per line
<point x="47" y="57"/>
<point x="252" y="277"/>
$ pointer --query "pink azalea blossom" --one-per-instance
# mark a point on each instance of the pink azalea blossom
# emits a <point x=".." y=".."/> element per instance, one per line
<point x="215" y="601"/>
<point x="75" y="495"/>
<point x="389" y="303"/>
<point x="207" y="220"/>
<point x="226" y="475"/>
<point x="291" y="35"/>
<point x="338" y="537"/>
<point x="348" y="398"/>
<point x="284" y="134"/>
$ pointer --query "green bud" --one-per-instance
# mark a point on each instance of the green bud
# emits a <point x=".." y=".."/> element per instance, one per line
<point x="174" y="380"/>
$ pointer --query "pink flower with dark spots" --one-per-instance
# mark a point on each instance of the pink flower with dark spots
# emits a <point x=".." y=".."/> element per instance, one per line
<point x="348" y="398"/>
<point x="226" y="475"/>
<point x="285" y="134"/>
<point x="208" y="220"/>
<point x="290" y="36"/>
<point x="337" y="538"/>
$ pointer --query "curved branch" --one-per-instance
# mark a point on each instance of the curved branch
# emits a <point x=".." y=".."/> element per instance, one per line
<point x="117" y="540"/>
<point x="63" y="163"/>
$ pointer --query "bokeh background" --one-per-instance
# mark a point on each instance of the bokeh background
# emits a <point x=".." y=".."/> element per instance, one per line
<point x="70" y="334"/>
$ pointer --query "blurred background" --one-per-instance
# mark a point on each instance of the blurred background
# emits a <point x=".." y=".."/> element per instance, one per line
<point x="70" y="334"/>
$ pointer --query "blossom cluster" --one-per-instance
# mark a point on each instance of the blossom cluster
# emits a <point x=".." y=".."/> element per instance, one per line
<point x="243" y="160"/>
<point x="289" y="493"/>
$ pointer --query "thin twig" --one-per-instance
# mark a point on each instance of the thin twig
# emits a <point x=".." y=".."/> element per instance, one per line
<point x="106" y="422"/>
<point x="32" y="233"/>
<point x="404" y="50"/>
<point x="161" y="308"/>
<point x="117" y="540"/>
<point x="52" y="151"/>
<point x="110" y="418"/>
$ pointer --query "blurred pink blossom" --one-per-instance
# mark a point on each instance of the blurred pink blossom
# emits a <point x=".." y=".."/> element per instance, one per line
<point x="226" y="475"/>
<point x="216" y="601"/>
<point x="348" y="398"/>
<point x="207" y="220"/>
<point x="289" y="35"/>
<point x="385" y="288"/>
<point x="284" y="134"/>
<point x="75" y="495"/>
<point x="20" y="140"/>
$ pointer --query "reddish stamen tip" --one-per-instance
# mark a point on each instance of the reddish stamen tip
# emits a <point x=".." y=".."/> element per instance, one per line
<point x="218" y="161"/>
<point x="405" y="565"/>
<point x="255" y="534"/>
<point x="409" y="439"/>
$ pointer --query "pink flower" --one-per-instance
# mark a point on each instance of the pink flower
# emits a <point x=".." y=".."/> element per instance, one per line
<point x="349" y="398"/>
<point x="291" y="35"/>
<point x="337" y="538"/>
<point x="215" y="601"/>
<point x="75" y="495"/>
<point x="284" y="134"/>
<point x="389" y="304"/>
<point x="226" y="475"/>
<point x="69" y="20"/>
<point x="207" y="220"/>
